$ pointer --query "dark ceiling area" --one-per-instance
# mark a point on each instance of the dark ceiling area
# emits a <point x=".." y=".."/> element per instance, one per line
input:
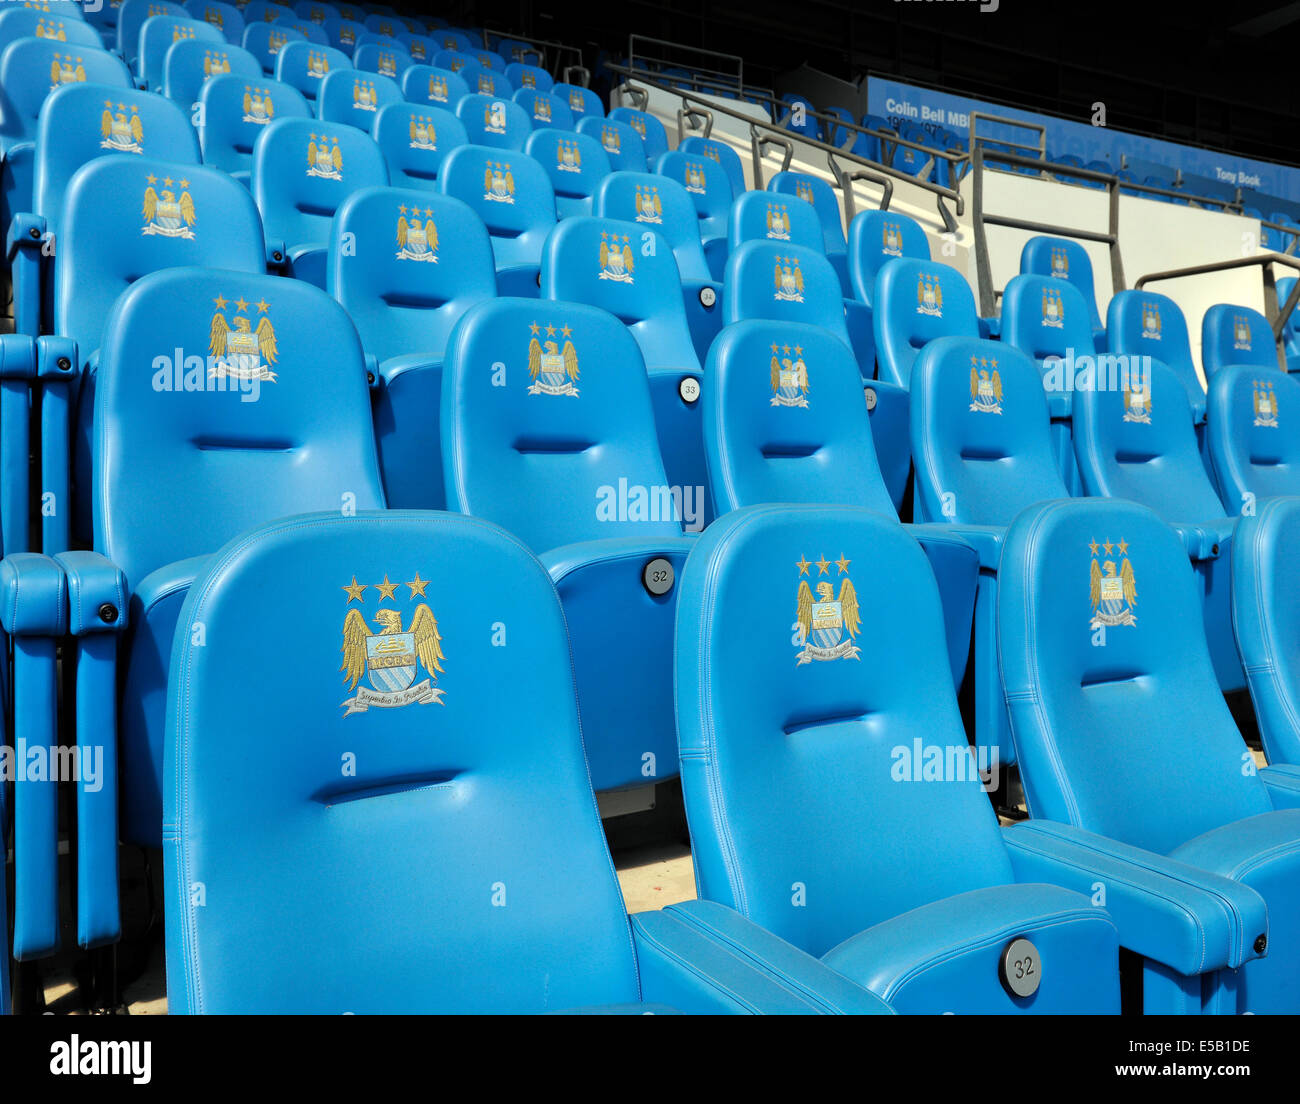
<point x="1226" y="76"/>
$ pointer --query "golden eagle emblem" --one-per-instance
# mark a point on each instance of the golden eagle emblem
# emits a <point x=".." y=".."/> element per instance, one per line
<point x="257" y="105"/>
<point x="390" y="660"/>
<point x="1112" y="590"/>
<point x="985" y="386"/>
<point x="121" y="131"/>
<point x="165" y="212"/>
<point x="615" y="259"/>
<point x="553" y="370"/>
<point x="239" y="350"/>
<point x="826" y="624"/>
<point x="323" y="159"/>
<point x="417" y="240"/>
<point x="1265" y="404"/>
<point x="789" y="280"/>
<point x="789" y="377"/>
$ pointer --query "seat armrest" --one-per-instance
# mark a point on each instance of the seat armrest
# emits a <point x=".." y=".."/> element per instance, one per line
<point x="1189" y="919"/>
<point x="568" y="558"/>
<point x="985" y="539"/>
<point x="1283" y="784"/>
<point x="26" y="231"/>
<point x="33" y="596"/>
<point x="277" y="256"/>
<point x="97" y="593"/>
<point x="704" y="957"/>
<point x="1205" y="540"/>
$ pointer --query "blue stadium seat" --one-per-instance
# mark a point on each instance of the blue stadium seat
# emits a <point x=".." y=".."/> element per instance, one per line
<point x="798" y="777"/>
<point x="419" y="46"/>
<point x="582" y="102"/>
<point x="440" y="87"/>
<point x="79" y="123"/>
<point x="191" y="61"/>
<point x="1291" y="327"/>
<point x="513" y="196"/>
<point x="488" y="83"/>
<point x="354" y="97"/>
<point x="651" y="130"/>
<point x="1146" y="451"/>
<point x="415" y="138"/>
<point x="386" y="61"/>
<point x="131" y="16"/>
<point x="576" y="164"/>
<point x="19" y="23"/>
<point x="383" y="24"/>
<point x="796" y="115"/>
<point x="544" y="110"/>
<point x="157" y="35"/>
<point x="1236" y="335"/>
<point x="1253" y="446"/>
<point x="405" y="884"/>
<point x="302" y="170"/>
<point x="622" y="144"/>
<point x="656" y="201"/>
<point x="767" y="216"/>
<point x="1264" y="611"/>
<point x="103" y="19"/>
<point x="236" y="112"/>
<point x="407" y="265"/>
<point x="1122" y="731"/>
<point x="455" y="60"/>
<point x="492" y="121"/>
<point x="1047" y="319"/>
<point x="791" y="283"/>
<point x="722" y="154"/>
<point x="801" y="433"/>
<point x="981" y="444"/>
<point x="522" y="75"/>
<point x="305" y="65"/>
<point x="265" y="41"/>
<point x="317" y="11"/>
<point x="914" y="302"/>
<point x="345" y="37"/>
<point x="814" y="190"/>
<point x="557" y="444"/>
<point x="1065" y="259"/>
<point x="1146" y="323"/>
<point x="874" y="238"/>
<point x="267" y="11"/>
<point x="630" y="271"/>
<point x="707" y="184"/>
<point x="449" y="38"/>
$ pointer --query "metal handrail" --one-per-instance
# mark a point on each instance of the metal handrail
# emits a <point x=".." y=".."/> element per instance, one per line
<point x="1264" y="261"/>
<point x="780" y="136"/>
<point x="632" y="39"/>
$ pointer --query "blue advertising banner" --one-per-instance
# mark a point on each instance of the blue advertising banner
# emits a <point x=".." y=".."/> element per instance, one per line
<point x="933" y="110"/>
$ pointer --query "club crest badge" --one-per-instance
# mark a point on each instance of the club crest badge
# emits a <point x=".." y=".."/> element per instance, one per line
<point x="121" y="129"/>
<point x="1113" y="595"/>
<point x="324" y="158"/>
<point x="1137" y="400"/>
<point x="696" y="180"/>
<point x="215" y="63"/>
<point x="615" y="259"/>
<point x="419" y="51"/>
<point x="778" y="222"/>
<point x="804" y="191"/>
<point x="52" y="31"/>
<point x="1060" y="263"/>
<point x="318" y="65"/>
<point x="316" y="15"/>
<point x="386" y="28"/>
<point x="985" y="386"/>
<point x="364" y="96"/>
<point x="423" y="136"/>
<point x="929" y="296"/>
<point x="638" y="124"/>
<point x="542" y="109"/>
<point x="347" y="36"/>
<point x="498" y="182"/>
<point x="1240" y="332"/>
<point x="528" y="80"/>
<point x="610" y="140"/>
<point x="789" y="377"/>
<point x="789" y="280"/>
<point x="417" y="240"/>
<point x="487" y="84"/>
<point x="65" y="69"/>
<point x="455" y="64"/>
<point x="214" y="16"/>
<point x="1151" y="321"/>
<point x="1265" y="404"/>
<point x="568" y="157"/>
<point x="236" y="349"/>
<point x="648" y="206"/>
<point x="275" y="42"/>
<point x="438" y="89"/>
<point x="494" y="118"/>
<point x="258" y="107"/>
<point x="167" y="213"/>
<point x="575" y="101"/>
<point x="891" y="239"/>
<point x="181" y="33"/>
<point x="554" y="370"/>
<point x="1053" y="309"/>
<point x="827" y="624"/>
<point x="389" y="660"/>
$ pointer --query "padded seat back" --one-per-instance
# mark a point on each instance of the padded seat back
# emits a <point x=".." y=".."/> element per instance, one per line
<point x="131" y="16"/>
<point x="533" y="77"/>
<point x="32" y="68"/>
<point x="1144" y="323"/>
<point x="385" y="59"/>
<point x="791" y="742"/>
<point x="915" y="302"/>
<point x="874" y="238"/>
<point x="815" y="190"/>
<point x="416" y="262"/>
<point x="582" y="102"/>
<point x="190" y="62"/>
<point x="125" y="217"/>
<point x="493" y="121"/>
<point x="427" y="84"/>
<point x="784" y="283"/>
<point x="651" y="130"/>
<point x="1134" y="439"/>
<point x="19" y="23"/>
<point x="1118" y="719"/>
<point x="303" y="169"/>
<point x="544" y="110"/>
<point x="799" y="432"/>
<point x="981" y="433"/>
<point x="1253" y="436"/>
<point x="415" y="138"/>
<point x="256" y="406"/>
<point x="236" y="112"/>
<point x="571" y="428"/>
<point x="706" y="183"/>
<point x="157" y="35"/>
<point x="305" y="65"/>
<point x="227" y="18"/>
<point x="659" y="203"/>
<point x="354" y="97"/>
<point x="575" y="163"/>
<point x="766" y="216"/>
<point x="622" y="144"/>
<point x="265" y="41"/>
<point x="1044" y="317"/>
<point x="721" y="154"/>
<point x="1236" y="335"/>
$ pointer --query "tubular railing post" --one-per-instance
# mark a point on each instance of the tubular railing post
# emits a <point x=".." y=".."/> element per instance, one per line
<point x="1116" y="261"/>
<point x="983" y="270"/>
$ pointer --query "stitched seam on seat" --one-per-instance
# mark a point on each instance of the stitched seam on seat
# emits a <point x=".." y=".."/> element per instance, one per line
<point x="690" y="968"/>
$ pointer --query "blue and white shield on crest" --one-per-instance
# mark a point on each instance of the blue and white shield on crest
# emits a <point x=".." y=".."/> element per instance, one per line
<point x="827" y="624"/>
<point x="391" y="661"/>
